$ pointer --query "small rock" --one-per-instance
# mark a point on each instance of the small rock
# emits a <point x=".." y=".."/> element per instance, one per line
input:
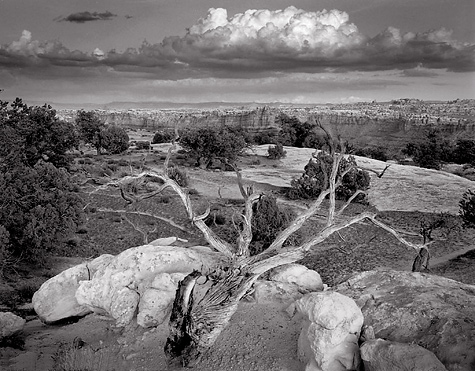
<point x="306" y="279"/>
<point x="10" y="324"/>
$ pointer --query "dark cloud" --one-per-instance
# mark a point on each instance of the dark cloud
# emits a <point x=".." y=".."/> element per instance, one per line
<point x="257" y="44"/>
<point x="82" y="17"/>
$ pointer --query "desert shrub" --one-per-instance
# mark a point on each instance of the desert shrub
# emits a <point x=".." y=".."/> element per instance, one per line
<point x="431" y="151"/>
<point x="143" y="145"/>
<point x="178" y="175"/>
<point x="464" y="152"/>
<point x="31" y="134"/>
<point x="295" y="133"/>
<point x="267" y="222"/>
<point x="38" y="208"/>
<point x="208" y="143"/>
<point x="276" y="152"/>
<point x="114" y="139"/>
<point x="163" y="136"/>
<point x="316" y="176"/>
<point x="264" y="138"/>
<point x="467" y="208"/>
<point x="90" y="125"/>
<point x="377" y="153"/>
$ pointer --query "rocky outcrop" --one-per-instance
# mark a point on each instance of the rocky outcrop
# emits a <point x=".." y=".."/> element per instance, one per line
<point x="434" y="312"/>
<point x="139" y="272"/>
<point x="10" y="324"/>
<point x="383" y="355"/>
<point x="55" y="299"/>
<point x="330" y="331"/>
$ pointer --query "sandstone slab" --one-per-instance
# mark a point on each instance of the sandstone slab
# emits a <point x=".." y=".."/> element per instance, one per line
<point x="383" y="355"/>
<point x="434" y="312"/>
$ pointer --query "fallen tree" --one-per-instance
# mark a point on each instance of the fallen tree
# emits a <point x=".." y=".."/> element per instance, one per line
<point x="196" y="323"/>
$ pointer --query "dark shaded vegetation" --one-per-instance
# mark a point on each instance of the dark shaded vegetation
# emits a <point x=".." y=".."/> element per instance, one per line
<point x="467" y="208"/>
<point x="208" y="143"/>
<point x="39" y="203"/>
<point x="434" y="150"/>
<point x="276" y="152"/>
<point x="316" y="178"/>
<point x="163" y="136"/>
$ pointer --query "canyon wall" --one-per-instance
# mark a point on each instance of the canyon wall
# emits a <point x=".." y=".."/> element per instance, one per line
<point x="390" y="125"/>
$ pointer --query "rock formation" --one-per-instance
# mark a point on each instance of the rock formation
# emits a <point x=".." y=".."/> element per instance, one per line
<point x="330" y="332"/>
<point x="383" y="355"/>
<point x="434" y="312"/>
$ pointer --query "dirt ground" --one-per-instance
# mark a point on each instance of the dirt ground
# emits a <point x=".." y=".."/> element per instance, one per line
<point x="259" y="337"/>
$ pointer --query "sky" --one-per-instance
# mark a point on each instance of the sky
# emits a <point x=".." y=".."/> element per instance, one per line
<point x="289" y="51"/>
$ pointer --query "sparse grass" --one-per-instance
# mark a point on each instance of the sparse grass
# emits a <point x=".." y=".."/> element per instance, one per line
<point x="79" y="356"/>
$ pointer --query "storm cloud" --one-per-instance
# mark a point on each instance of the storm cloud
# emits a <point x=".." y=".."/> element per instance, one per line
<point x="82" y="17"/>
<point x="257" y="43"/>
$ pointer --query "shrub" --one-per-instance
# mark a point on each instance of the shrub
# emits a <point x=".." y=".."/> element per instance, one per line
<point x="143" y="145"/>
<point x="208" y="143"/>
<point x="316" y="176"/>
<point x="295" y="133"/>
<point x="431" y="152"/>
<point x="276" y="152"/>
<point x="114" y="139"/>
<point x="90" y="126"/>
<point x="32" y="134"/>
<point x="38" y="208"/>
<point x="467" y="208"/>
<point x="464" y="152"/>
<point x="267" y="222"/>
<point x="163" y="136"/>
<point x="378" y="153"/>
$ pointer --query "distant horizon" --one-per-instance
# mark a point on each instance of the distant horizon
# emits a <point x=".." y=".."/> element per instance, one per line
<point x="224" y="104"/>
<point x="290" y="51"/>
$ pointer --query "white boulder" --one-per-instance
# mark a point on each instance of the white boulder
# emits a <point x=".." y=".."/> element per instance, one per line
<point x="330" y="331"/>
<point x="55" y="299"/>
<point x="118" y="288"/>
<point x="156" y="301"/>
<point x="306" y="279"/>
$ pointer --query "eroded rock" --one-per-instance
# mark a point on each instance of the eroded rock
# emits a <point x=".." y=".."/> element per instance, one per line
<point x="435" y="312"/>
<point x="55" y="299"/>
<point x="306" y="279"/>
<point x="118" y="288"/>
<point x="331" y="327"/>
<point x="382" y="355"/>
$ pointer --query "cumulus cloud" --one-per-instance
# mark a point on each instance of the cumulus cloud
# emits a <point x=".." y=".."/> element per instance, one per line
<point x="82" y="17"/>
<point x="260" y="43"/>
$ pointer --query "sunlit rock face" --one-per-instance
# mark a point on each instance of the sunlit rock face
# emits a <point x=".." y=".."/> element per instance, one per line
<point x="330" y="331"/>
<point x="434" y="312"/>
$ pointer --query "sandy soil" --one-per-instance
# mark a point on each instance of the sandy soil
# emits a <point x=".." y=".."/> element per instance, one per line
<point x="260" y="337"/>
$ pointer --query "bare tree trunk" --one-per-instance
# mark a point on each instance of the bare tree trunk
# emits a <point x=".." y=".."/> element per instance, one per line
<point x="194" y="327"/>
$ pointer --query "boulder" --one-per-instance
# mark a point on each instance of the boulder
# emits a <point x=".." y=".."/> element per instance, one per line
<point x="55" y="299"/>
<point x="435" y="312"/>
<point x="279" y="293"/>
<point x="382" y="355"/>
<point x="10" y="324"/>
<point x="306" y="279"/>
<point x="117" y="289"/>
<point x="330" y="331"/>
<point x="156" y="301"/>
